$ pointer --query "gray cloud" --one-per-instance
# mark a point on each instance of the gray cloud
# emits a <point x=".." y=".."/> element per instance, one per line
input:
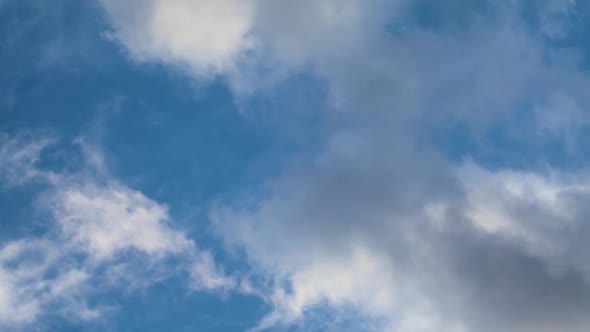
<point x="381" y="219"/>
<point x="406" y="236"/>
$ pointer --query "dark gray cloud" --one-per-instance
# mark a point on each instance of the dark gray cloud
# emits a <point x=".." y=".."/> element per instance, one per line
<point x="440" y="254"/>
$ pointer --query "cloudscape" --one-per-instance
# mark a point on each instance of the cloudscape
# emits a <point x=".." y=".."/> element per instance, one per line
<point x="295" y="165"/>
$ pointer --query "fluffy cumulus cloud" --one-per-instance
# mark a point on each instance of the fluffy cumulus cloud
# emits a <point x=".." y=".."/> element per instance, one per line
<point x="105" y="221"/>
<point x="237" y="38"/>
<point x="100" y="230"/>
<point x="25" y="290"/>
<point x="543" y="213"/>
<point x="39" y="278"/>
<point x="476" y="251"/>
<point x="208" y="37"/>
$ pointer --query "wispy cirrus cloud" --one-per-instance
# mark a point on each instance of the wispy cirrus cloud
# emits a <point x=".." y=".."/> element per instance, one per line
<point x="98" y="226"/>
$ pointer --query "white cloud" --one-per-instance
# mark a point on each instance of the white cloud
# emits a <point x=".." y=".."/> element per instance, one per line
<point x="207" y="37"/>
<point x="18" y="291"/>
<point x="359" y="278"/>
<point x="207" y="275"/>
<point x="99" y="227"/>
<point x="18" y="156"/>
<point x="540" y="212"/>
<point x="107" y="220"/>
<point x="236" y="38"/>
<point x="33" y="280"/>
<point x="477" y="75"/>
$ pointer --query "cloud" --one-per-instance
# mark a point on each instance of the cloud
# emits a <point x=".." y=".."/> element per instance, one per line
<point x="102" y="233"/>
<point x="18" y="156"/>
<point x="238" y="39"/>
<point x="341" y="232"/>
<point x="207" y="37"/>
<point x="542" y="213"/>
<point x="382" y="218"/>
<point x="107" y="220"/>
<point x="349" y="45"/>
<point x="18" y="301"/>
<point x="207" y="275"/>
<point x="36" y="280"/>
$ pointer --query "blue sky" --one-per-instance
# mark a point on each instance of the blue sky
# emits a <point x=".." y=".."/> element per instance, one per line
<point x="315" y="165"/>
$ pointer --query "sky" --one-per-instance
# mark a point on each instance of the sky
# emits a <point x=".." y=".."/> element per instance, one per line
<point x="310" y="165"/>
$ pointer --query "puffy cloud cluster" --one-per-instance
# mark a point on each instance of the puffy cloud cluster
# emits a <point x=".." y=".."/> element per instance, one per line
<point x="437" y="248"/>
<point x="543" y="213"/>
<point x="383" y="218"/>
<point x="207" y="37"/>
<point x="26" y="289"/>
<point x="105" y="221"/>
<point x="236" y="39"/>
